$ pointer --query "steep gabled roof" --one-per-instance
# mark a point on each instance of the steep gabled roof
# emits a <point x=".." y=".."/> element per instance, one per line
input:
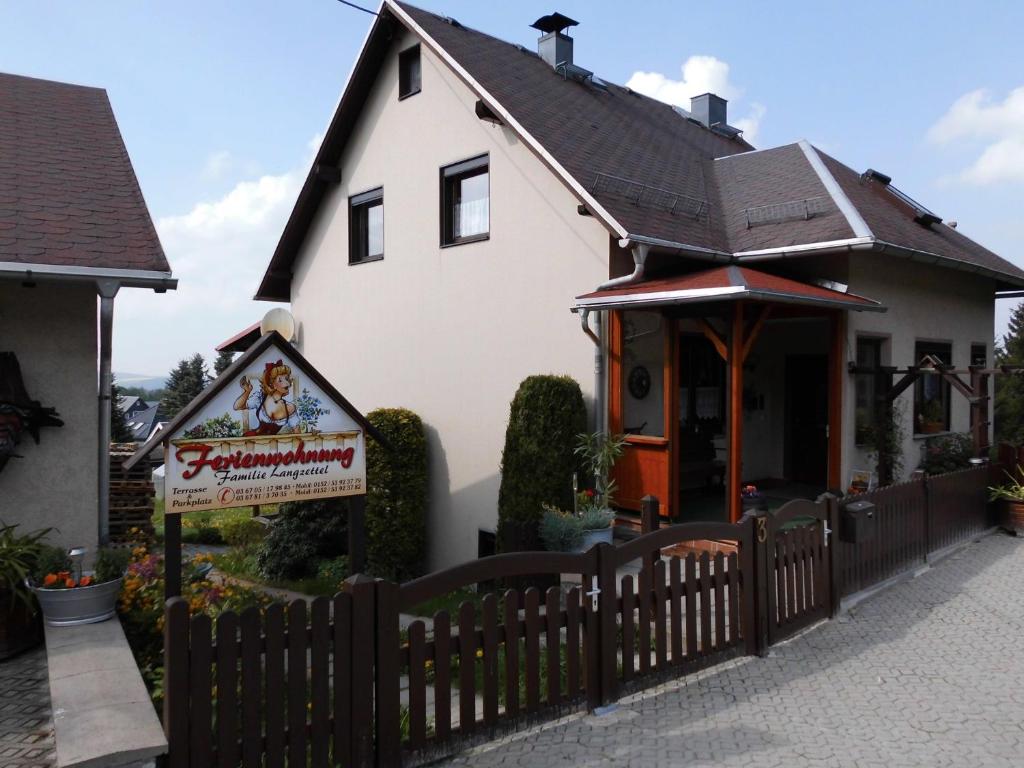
<point x="68" y="193"/>
<point x="644" y="169"/>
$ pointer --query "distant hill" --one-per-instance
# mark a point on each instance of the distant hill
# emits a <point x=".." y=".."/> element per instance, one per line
<point x="140" y="381"/>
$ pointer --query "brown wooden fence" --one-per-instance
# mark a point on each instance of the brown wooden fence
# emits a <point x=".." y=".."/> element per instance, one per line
<point x="912" y="521"/>
<point x="339" y="682"/>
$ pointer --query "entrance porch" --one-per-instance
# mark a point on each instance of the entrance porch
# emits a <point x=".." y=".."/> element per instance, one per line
<point x="724" y="379"/>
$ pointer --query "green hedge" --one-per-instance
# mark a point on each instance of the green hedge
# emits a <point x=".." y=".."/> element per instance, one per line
<point x="397" y="496"/>
<point x="303" y="534"/>
<point x="538" y="462"/>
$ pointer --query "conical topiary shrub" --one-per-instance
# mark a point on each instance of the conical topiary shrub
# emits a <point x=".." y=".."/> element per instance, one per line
<point x="538" y="461"/>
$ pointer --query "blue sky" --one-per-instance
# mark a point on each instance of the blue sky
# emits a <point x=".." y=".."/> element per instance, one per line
<point x="220" y="105"/>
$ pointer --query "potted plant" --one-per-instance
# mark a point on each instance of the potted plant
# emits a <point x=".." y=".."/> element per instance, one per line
<point x="68" y="595"/>
<point x="751" y="497"/>
<point x="1011" y="495"/>
<point x="931" y="417"/>
<point x="590" y="522"/>
<point x="19" y="620"/>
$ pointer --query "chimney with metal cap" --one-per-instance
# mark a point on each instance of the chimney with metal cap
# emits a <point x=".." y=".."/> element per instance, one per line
<point x="710" y="110"/>
<point x="554" y="46"/>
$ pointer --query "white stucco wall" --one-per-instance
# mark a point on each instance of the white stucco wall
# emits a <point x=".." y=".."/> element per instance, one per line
<point x="447" y="332"/>
<point x="52" y="330"/>
<point x="925" y="303"/>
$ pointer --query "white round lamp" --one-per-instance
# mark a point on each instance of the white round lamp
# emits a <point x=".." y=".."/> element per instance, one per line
<point x="280" y="320"/>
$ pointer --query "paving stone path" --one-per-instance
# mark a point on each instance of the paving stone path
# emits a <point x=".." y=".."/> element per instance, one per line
<point x="927" y="673"/>
<point x="26" y="727"/>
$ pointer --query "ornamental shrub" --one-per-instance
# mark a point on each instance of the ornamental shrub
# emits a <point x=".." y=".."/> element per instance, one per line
<point x="538" y="462"/>
<point x="397" y="495"/>
<point x="947" y="453"/>
<point x="303" y="533"/>
<point x="241" y="531"/>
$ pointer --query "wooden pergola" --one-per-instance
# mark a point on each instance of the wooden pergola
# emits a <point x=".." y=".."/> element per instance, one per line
<point x="975" y="389"/>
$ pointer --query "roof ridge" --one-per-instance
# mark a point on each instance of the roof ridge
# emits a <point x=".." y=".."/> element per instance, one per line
<point x="846" y="207"/>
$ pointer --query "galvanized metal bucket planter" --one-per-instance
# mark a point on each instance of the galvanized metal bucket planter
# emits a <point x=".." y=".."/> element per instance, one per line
<point x="80" y="605"/>
<point x="595" y="536"/>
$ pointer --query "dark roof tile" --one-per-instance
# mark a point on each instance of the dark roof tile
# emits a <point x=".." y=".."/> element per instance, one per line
<point x="68" y="193"/>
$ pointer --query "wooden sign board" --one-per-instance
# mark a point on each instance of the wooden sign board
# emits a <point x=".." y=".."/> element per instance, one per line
<point x="269" y="429"/>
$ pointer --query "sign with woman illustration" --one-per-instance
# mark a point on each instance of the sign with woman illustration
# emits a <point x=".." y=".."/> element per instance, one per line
<point x="269" y="429"/>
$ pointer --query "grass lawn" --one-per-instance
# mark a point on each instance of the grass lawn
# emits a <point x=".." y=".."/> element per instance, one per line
<point x="241" y="563"/>
<point x="201" y="527"/>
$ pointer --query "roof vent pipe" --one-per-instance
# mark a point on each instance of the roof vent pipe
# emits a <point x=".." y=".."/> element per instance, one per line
<point x="639" y="260"/>
<point x="554" y="46"/>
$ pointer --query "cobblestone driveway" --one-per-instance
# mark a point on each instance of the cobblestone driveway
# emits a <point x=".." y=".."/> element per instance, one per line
<point x="26" y="731"/>
<point x="928" y="673"/>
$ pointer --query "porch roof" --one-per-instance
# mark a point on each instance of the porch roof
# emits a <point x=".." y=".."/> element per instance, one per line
<point x="726" y="283"/>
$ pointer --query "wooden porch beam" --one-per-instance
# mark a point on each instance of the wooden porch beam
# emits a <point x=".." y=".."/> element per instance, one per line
<point x="734" y="469"/>
<point x="755" y="330"/>
<point x="714" y="337"/>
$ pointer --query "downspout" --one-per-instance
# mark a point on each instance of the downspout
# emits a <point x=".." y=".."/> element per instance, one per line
<point x="599" y="382"/>
<point x="107" y="289"/>
<point x="640" y="252"/>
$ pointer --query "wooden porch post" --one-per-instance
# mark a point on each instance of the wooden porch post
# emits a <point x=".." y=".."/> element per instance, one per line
<point x="734" y="473"/>
<point x="837" y="359"/>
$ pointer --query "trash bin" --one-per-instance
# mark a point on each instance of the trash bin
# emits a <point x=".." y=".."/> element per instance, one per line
<point x="857" y="524"/>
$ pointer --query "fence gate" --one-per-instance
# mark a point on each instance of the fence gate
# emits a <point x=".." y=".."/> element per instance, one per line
<point x="797" y="582"/>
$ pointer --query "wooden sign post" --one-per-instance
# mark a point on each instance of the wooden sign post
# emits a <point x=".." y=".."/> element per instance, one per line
<point x="270" y="429"/>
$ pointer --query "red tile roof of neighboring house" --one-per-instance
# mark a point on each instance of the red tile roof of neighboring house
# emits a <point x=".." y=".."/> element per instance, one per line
<point x="68" y="193"/>
<point x="727" y="283"/>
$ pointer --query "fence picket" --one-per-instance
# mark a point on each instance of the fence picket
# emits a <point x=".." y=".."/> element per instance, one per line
<point x="467" y="667"/>
<point x="319" y="680"/>
<point x="643" y="620"/>
<point x="417" y="685"/>
<point x="719" y="600"/>
<point x="690" y="588"/>
<point x="489" y="616"/>
<point x="628" y="630"/>
<point x="273" y="622"/>
<point x="252" y="720"/>
<point x="572" y="643"/>
<point x="732" y="568"/>
<point x="552" y="616"/>
<point x="442" y="676"/>
<point x="201" y="691"/>
<point x="297" y="682"/>
<point x="511" y="653"/>
<point x="660" y="640"/>
<point x="705" y="603"/>
<point x="676" y="609"/>
<point x="532" y="616"/>
<point x="227" y="690"/>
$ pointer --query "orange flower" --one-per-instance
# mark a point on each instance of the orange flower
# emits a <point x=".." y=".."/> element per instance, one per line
<point x="69" y="583"/>
<point x="85" y="581"/>
<point x="49" y="580"/>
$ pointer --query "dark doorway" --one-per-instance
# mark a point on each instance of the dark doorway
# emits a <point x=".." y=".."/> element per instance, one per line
<point x="807" y="419"/>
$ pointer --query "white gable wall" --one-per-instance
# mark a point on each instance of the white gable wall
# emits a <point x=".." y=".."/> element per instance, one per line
<point x="925" y="303"/>
<point x="447" y="332"/>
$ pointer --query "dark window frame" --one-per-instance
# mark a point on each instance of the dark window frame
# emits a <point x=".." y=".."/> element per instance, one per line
<point x="410" y="68"/>
<point x="977" y="347"/>
<point x="358" y="224"/>
<point x="944" y="351"/>
<point x="450" y="176"/>
<point x="866" y="386"/>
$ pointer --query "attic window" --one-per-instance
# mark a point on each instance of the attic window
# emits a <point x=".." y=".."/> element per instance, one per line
<point x="409" y="79"/>
<point x="366" y="227"/>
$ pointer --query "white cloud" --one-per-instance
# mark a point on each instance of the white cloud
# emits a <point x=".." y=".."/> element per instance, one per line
<point x="976" y="118"/>
<point x="216" y="165"/>
<point x="218" y="251"/>
<point x="700" y="74"/>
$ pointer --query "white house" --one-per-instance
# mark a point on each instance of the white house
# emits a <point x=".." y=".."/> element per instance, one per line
<point x="474" y="203"/>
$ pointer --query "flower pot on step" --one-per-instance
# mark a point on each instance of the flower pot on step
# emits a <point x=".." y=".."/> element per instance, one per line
<point x="1013" y="516"/>
<point x="597" y="536"/>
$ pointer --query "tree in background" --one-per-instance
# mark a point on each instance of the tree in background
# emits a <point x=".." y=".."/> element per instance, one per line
<point x="224" y="359"/>
<point x="537" y="465"/>
<point x="119" y="432"/>
<point x="186" y="381"/>
<point x="1009" y="403"/>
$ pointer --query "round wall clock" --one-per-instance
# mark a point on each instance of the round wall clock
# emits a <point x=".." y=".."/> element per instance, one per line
<point x="639" y="382"/>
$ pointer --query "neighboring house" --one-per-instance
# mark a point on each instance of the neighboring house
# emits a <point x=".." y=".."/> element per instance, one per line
<point x="74" y="229"/>
<point x="142" y="423"/>
<point x="469" y="193"/>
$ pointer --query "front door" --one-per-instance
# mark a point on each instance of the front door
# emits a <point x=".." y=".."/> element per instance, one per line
<point x="807" y="420"/>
